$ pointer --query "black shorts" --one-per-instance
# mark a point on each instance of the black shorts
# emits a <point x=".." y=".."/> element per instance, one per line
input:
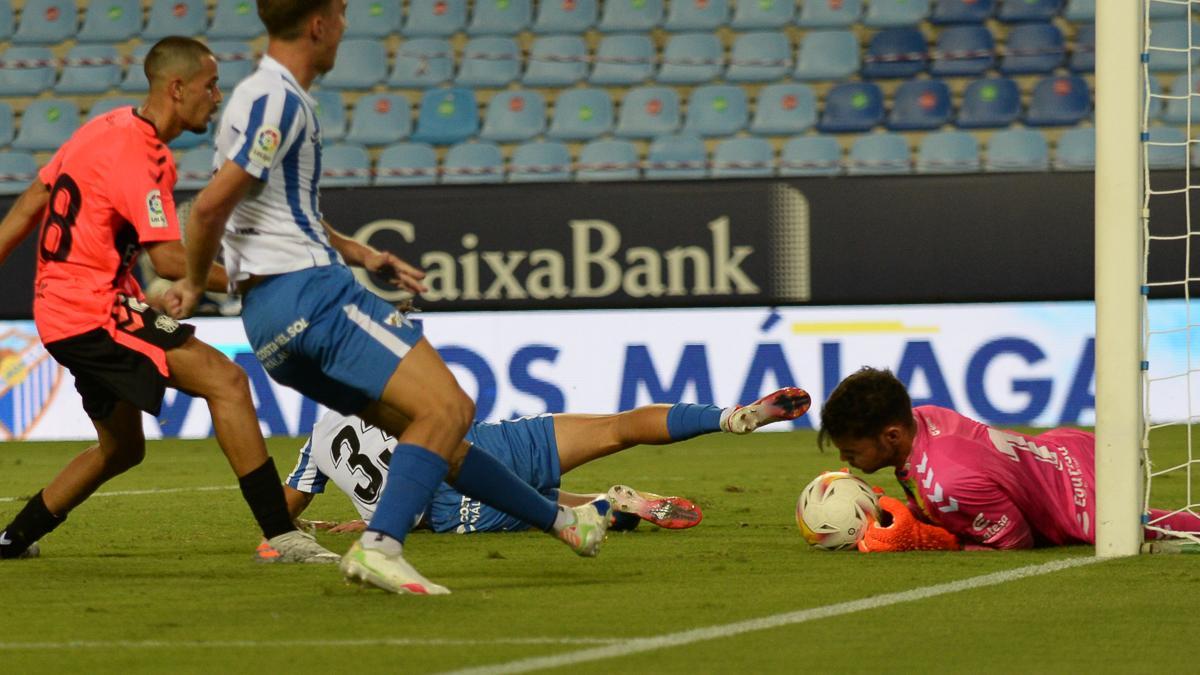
<point x="129" y="367"/>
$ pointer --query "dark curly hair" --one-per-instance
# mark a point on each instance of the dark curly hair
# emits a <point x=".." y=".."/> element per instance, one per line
<point x="863" y="404"/>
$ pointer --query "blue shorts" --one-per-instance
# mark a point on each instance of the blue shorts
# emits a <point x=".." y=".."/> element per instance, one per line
<point x="323" y="334"/>
<point x="526" y="446"/>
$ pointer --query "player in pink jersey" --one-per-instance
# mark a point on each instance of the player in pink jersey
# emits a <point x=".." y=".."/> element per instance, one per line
<point x="988" y="488"/>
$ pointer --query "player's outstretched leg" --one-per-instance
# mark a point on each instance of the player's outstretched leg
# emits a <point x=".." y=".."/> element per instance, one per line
<point x="373" y="567"/>
<point x="786" y="404"/>
<point x="673" y="513"/>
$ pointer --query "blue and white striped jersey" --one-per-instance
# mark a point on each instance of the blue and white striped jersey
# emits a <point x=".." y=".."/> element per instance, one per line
<point x="270" y="129"/>
<point x="353" y="453"/>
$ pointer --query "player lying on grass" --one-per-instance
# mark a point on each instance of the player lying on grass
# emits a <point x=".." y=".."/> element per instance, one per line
<point x="968" y="485"/>
<point x="355" y="455"/>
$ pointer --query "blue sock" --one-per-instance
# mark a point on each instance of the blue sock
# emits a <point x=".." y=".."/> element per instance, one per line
<point x="487" y="479"/>
<point x="413" y="475"/>
<point x="688" y="420"/>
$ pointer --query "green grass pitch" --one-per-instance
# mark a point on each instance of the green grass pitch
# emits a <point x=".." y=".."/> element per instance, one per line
<point x="164" y="581"/>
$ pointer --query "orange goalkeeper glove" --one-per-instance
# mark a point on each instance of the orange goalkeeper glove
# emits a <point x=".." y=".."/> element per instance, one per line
<point x="905" y="533"/>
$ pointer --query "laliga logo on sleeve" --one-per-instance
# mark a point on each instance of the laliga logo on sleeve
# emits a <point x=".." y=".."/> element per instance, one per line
<point x="154" y="209"/>
<point x="265" y="143"/>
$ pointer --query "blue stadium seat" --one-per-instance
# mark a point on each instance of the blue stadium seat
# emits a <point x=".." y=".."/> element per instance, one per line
<point x="175" y="17"/>
<point x="540" y="162"/>
<point x="7" y="126"/>
<point x="422" y="63"/>
<point x="685" y="15"/>
<point x="372" y="18"/>
<point x="500" y="17"/>
<point x="1156" y="102"/>
<point x="810" y="156"/>
<point x="1033" y="48"/>
<point x="361" y="64"/>
<point x="190" y="139"/>
<point x="827" y="55"/>
<point x="78" y="78"/>
<point x="565" y="16"/>
<point x="581" y="114"/>
<point x="1083" y="54"/>
<point x="235" y="62"/>
<point x="608" y="160"/>
<point x="1172" y="35"/>
<point x="17" y="171"/>
<point x="896" y="13"/>
<point x="6" y="20"/>
<point x="623" y="16"/>
<point x="447" y="116"/>
<point x="762" y="14"/>
<point x="380" y="119"/>
<point x="195" y="168"/>
<point x="1167" y="148"/>
<point x="962" y="11"/>
<point x="105" y="105"/>
<point x="691" y="58"/>
<point x="46" y="124"/>
<point x="896" y="52"/>
<point x="407" y="164"/>
<point x="235" y="20"/>
<point x="743" y="158"/>
<point x="1168" y="10"/>
<point x="331" y="114"/>
<point x="717" y="110"/>
<point x="963" y="50"/>
<point x="647" y="112"/>
<point x="852" y="107"/>
<point x="46" y="22"/>
<point x="829" y="13"/>
<point x="676" y="157"/>
<point x="623" y="60"/>
<point x="514" y="116"/>
<point x="345" y="165"/>
<point x="1059" y="102"/>
<point x="556" y="61"/>
<point x="1081" y="11"/>
<point x="784" y="109"/>
<point x="473" y="162"/>
<point x="920" y="104"/>
<point x="879" y="154"/>
<point x="135" y="76"/>
<point x="948" y="152"/>
<point x="1017" y="150"/>
<point x="990" y="102"/>
<point x="763" y="56"/>
<point x="1176" y="111"/>
<point x="111" y="21"/>
<point x="33" y="76"/>
<point x="435" y="18"/>
<point x="489" y="62"/>
<point x="1076" y="150"/>
<point x="1013" y="11"/>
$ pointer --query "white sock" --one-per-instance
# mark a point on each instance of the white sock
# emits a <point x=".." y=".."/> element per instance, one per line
<point x="381" y="542"/>
<point x="725" y="415"/>
<point x="564" y="519"/>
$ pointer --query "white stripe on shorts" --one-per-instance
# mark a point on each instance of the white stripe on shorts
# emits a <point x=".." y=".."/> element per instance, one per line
<point x="376" y="330"/>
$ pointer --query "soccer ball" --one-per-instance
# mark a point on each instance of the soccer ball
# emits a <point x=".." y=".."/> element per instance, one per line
<point x="832" y="510"/>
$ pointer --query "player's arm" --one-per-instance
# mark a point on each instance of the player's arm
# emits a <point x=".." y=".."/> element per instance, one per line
<point x="394" y="270"/>
<point x="297" y="501"/>
<point x="23" y="217"/>
<point x="170" y="262"/>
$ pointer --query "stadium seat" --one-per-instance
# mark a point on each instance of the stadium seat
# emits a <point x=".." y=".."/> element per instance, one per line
<point x="7" y="126"/>
<point x="879" y="154"/>
<point x="500" y="17"/>
<point x="963" y="50"/>
<point x="581" y="115"/>
<point x="345" y="165"/>
<point x="235" y="62"/>
<point x="676" y="157"/>
<point x="34" y="75"/>
<point x="625" y="16"/>
<point x="1172" y="35"/>
<point x="895" y="52"/>
<point x="990" y="102"/>
<point x="1166" y="148"/>
<point x="647" y="112"/>
<point x="784" y="109"/>
<point x="608" y="160"/>
<point x="961" y="11"/>
<point x="690" y="15"/>
<point x="331" y="114"/>
<point x="111" y="21"/>
<point x="235" y="20"/>
<point x="1013" y="11"/>
<point x="107" y="105"/>
<point x="762" y="14"/>
<point x="435" y="18"/>
<point x="556" y="61"/>
<point x="691" y="58"/>
<point x="1176" y="110"/>
<point x="190" y="139"/>
<point x="380" y="119"/>
<point x="717" y="110"/>
<point x="46" y="124"/>
<point x="6" y="20"/>
<point x="78" y="78"/>
<point x="1076" y="150"/>
<point x="473" y="162"/>
<point x="810" y="156"/>
<point x="361" y="64"/>
<point x="829" y="13"/>
<point x="948" y="152"/>
<point x="743" y="158"/>
<point x="17" y="171"/>
<point x="422" y="63"/>
<point x="1083" y="53"/>
<point x="447" y="116"/>
<point x="623" y="60"/>
<point x="1017" y="150"/>
<point x="920" y="104"/>
<point x="572" y="17"/>
<point x="852" y="107"/>
<point x="407" y="164"/>
<point x="1059" y="101"/>
<point x="763" y="56"/>
<point x="135" y="75"/>
<point x="46" y="22"/>
<point x="1156" y="103"/>
<point x="195" y="168"/>
<point x="1033" y="48"/>
<point x="895" y="13"/>
<point x="827" y="55"/>
<point x="514" y="116"/>
<point x="372" y="19"/>
<point x="540" y="162"/>
<point x="175" y="17"/>
<point x="1168" y="10"/>
<point x="1081" y="11"/>
<point x="489" y="62"/>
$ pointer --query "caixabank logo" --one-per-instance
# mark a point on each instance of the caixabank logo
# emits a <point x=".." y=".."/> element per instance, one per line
<point x="29" y="379"/>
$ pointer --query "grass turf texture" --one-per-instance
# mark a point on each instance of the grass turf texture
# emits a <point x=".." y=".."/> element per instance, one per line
<point x="165" y="582"/>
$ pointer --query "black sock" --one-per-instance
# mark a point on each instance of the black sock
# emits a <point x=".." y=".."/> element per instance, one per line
<point x="623" y="522"/>
<point x="32" y="523"/>
<point x="264" y="493"/>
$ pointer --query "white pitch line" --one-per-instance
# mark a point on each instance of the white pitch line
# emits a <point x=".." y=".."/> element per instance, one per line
<point x="154" y="491"/>
<point x="256" y="644"/>
<point x="638" y="645"/>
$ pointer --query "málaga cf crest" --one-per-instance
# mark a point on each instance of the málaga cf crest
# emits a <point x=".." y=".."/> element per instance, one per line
<point x="29" y="379"/>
